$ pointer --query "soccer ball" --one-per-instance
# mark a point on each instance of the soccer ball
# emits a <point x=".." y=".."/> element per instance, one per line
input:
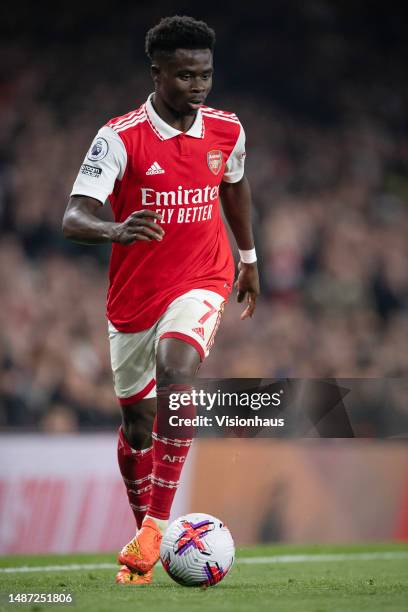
<point x="197" y="550"/>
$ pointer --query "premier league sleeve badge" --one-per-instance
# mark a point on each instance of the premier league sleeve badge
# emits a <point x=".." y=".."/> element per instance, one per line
<point x="98" y="150"/>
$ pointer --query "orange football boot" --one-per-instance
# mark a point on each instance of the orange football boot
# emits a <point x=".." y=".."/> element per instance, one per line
<point x="141" y="554"/>
<point x="126" y="576"/>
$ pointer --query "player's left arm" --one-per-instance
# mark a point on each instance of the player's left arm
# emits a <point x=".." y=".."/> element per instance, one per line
<point x="237" y="205"/>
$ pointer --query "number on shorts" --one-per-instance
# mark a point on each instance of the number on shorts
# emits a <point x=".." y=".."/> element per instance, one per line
<point x="208" y="314"/>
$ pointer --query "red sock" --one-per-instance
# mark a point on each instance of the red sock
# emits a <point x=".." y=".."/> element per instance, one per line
<point x="169" y="454"/>
<point x="136" y="468"/>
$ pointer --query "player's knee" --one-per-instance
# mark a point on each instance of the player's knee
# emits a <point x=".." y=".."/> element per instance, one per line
<point x="137" y="424"/>
<point x="134" y="434"/>
<point x="138" y="435"/>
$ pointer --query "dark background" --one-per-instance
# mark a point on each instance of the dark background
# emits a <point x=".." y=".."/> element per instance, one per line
<point x="320" y="87"/>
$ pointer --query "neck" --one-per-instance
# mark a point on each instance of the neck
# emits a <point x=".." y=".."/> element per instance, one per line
<point x="170" y="116"/>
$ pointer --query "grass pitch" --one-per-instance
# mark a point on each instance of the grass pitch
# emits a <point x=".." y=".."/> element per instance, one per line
<point x="267" y="578"/>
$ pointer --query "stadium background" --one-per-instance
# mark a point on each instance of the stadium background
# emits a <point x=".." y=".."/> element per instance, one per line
<point x="321" y="90"/>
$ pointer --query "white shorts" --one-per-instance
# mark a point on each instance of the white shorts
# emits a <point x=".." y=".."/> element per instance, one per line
<point x="193" y="317"/>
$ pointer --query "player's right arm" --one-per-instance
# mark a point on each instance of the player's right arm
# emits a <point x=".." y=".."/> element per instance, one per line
<point x="104" y="164"/>
<point x="82" y="224"/>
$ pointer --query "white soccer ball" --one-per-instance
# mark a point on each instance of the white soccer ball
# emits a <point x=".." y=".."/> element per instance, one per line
<point x="197" y="550"/>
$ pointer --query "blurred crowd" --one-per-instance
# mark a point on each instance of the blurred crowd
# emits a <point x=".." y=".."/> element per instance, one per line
<point x="330" y="191"/>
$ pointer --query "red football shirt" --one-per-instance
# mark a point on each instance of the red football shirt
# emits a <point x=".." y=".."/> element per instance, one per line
<point x="139" y="162"/>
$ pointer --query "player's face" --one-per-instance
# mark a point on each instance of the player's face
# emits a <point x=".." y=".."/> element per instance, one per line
<point x="184" y="80"/>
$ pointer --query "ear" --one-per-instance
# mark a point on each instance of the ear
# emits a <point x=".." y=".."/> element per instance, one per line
<point x="155" y="72"/>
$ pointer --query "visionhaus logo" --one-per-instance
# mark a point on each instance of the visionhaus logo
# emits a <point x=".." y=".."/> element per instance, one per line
<point x="225" y="421"/>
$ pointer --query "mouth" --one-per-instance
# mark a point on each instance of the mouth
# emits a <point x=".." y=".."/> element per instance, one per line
<point x="196" y="102"/>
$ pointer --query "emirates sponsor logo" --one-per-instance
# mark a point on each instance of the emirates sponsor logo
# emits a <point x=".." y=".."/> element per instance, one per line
<point x="151" y="197"/>
<point x="214" y="161"/>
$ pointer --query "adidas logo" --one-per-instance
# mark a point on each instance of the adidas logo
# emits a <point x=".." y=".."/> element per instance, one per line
<point x="199" y="331"/>
<point x="155" y="169"/>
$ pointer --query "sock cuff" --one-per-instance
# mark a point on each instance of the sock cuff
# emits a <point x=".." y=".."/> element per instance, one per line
<point x="172" y="441"/>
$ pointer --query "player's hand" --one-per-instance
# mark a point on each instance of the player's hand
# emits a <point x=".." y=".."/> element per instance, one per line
<point x="247" y="286"/>
<point x="140" y="225"/>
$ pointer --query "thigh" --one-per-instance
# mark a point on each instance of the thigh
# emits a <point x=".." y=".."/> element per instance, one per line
<point x="133" y="364"/>
<point x="176" y="358"/>
<point x="193" y="318"/>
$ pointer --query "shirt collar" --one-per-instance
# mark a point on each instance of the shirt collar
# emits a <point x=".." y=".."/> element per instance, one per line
<point x="166" y="131"/>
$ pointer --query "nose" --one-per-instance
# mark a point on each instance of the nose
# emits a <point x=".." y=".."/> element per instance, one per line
<point x="198" y="85"/>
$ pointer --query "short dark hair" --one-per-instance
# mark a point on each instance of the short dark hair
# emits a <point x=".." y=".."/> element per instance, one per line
<point x="179" y="32"/>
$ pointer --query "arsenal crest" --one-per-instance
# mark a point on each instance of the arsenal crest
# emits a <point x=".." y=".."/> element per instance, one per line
<point x="214" y="161"/>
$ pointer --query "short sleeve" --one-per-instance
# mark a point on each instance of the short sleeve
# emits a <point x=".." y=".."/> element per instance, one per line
<point x="234" y="168"/>
<point x="104" y="163"/>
